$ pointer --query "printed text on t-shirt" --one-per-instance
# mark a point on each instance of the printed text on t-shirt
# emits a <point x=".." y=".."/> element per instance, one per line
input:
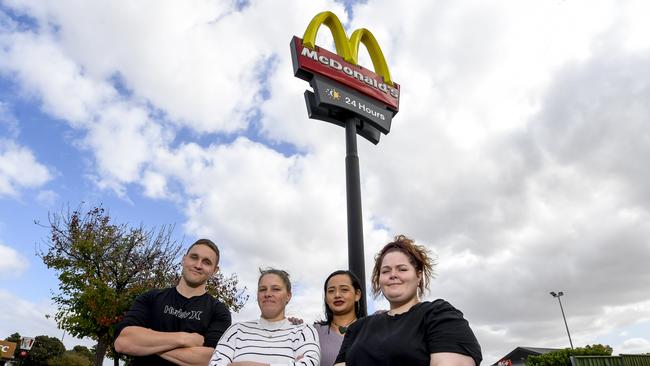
<point x="183" y="314"/>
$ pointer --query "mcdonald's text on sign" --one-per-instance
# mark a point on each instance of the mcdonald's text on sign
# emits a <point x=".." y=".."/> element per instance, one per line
<point x="310" y="60"/>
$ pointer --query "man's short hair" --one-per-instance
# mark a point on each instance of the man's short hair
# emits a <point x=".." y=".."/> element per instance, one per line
<point x="208" y="243"/>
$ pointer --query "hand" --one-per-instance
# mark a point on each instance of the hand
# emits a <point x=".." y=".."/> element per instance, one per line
<point x="191" y="339"/>
<point x="295" y="321"/>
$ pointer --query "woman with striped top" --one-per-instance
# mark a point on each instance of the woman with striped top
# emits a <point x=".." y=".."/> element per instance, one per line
<point x="271" y="340"/>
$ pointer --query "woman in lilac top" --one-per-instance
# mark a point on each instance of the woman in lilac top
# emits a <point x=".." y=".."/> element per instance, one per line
<point x="342" y="292"/>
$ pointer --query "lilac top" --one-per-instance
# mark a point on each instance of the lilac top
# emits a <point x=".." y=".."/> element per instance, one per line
<point x="330" y="343"/>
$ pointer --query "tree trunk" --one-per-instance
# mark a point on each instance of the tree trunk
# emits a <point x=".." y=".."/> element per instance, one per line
<point x="100" y="351"/>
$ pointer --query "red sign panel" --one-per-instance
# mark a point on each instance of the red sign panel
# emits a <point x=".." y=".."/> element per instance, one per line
<point x="308" y="61"/>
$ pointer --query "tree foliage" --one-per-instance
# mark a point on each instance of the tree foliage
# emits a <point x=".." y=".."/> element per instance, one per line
<point x="84" y="351"/>
<point x="562" y="357"/>
<point x="44" y="349"/>
<point x="70" y="358"/>
<point x="103" y="266"/>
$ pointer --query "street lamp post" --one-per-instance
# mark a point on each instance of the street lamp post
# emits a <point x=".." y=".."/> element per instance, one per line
<point x="558" y="295"/>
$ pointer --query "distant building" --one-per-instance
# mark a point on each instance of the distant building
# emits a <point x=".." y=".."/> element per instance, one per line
<point x="519" y="355"/>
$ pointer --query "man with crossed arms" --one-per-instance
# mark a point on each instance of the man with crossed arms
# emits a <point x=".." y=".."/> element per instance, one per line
<point x="179" y="325"/>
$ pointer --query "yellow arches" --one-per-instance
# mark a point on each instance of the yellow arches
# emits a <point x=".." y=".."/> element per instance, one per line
<point x="348" y="48"/>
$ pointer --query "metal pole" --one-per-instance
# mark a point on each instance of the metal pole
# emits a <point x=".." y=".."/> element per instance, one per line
<point x="558" y="295"/>
<point x="353" y="193"/>
<point x="565" y="323"/>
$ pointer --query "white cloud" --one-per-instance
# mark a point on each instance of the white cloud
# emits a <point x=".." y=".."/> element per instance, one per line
<point x="19" y="169"/>
<point x="12" y="263"/>
<point x="155" y="185"/>
<point x="47" y="198"/>
<point x="8" y="121"/>
<point x="120" y="133"/>
<point x="634" y="346"/>
<point x="194" y="72"/>
<point x="33" y="319"/>
<point x="45" y="70"/>
<point x="123" y="140"/>
<point x="32" y="316"/>
<point x="196" y="61"/>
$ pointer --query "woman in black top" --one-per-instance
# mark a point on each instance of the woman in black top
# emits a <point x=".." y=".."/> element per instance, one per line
<point x="412" y="332"/>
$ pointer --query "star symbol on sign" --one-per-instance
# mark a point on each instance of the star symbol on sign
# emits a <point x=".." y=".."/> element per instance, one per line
<point x="336" y="95"/>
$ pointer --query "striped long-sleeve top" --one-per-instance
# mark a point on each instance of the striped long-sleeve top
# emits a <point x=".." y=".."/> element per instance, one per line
<point x="275" y="343"/>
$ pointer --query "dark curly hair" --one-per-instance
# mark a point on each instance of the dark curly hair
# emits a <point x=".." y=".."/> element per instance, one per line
<point x="419" y="256"/>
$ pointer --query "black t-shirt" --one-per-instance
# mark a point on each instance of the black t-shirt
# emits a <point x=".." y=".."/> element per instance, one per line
<point x="167" y="310"/>
<point x="410" y="338"/>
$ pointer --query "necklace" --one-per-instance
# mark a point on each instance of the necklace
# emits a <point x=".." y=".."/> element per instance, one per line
<point x="344" y="328"/>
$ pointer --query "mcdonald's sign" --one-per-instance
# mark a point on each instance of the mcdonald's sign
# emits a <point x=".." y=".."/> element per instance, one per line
<point x="310" y="60"/>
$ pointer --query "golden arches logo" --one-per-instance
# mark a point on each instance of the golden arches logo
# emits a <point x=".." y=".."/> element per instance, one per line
<point x="348" y="49"/>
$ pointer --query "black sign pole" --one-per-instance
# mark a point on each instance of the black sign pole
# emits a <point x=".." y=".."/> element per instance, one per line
<point x="353" y="192"/>
<point x="356" y="106"/>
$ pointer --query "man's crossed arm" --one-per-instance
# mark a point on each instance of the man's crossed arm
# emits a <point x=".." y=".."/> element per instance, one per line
<point x="181" y="348"/>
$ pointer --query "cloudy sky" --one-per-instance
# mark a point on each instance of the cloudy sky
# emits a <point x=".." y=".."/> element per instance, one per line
<point x="517" y="156"/>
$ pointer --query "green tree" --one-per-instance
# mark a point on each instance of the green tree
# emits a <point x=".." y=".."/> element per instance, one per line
<point x="84" y="351"/>
<point x="70" y="358"/>
<point x="44" y="349"/>
<point x="562" y="357"/>
<point x="103" y="266"/>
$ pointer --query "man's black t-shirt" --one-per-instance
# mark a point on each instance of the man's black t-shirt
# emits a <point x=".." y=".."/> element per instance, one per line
<point x="409" y="338"/>
<point x="167" y="310"/>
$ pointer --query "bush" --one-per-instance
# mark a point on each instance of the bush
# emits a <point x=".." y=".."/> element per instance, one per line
<point x="70" y="358"/>
<point x="562" y="357"/>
